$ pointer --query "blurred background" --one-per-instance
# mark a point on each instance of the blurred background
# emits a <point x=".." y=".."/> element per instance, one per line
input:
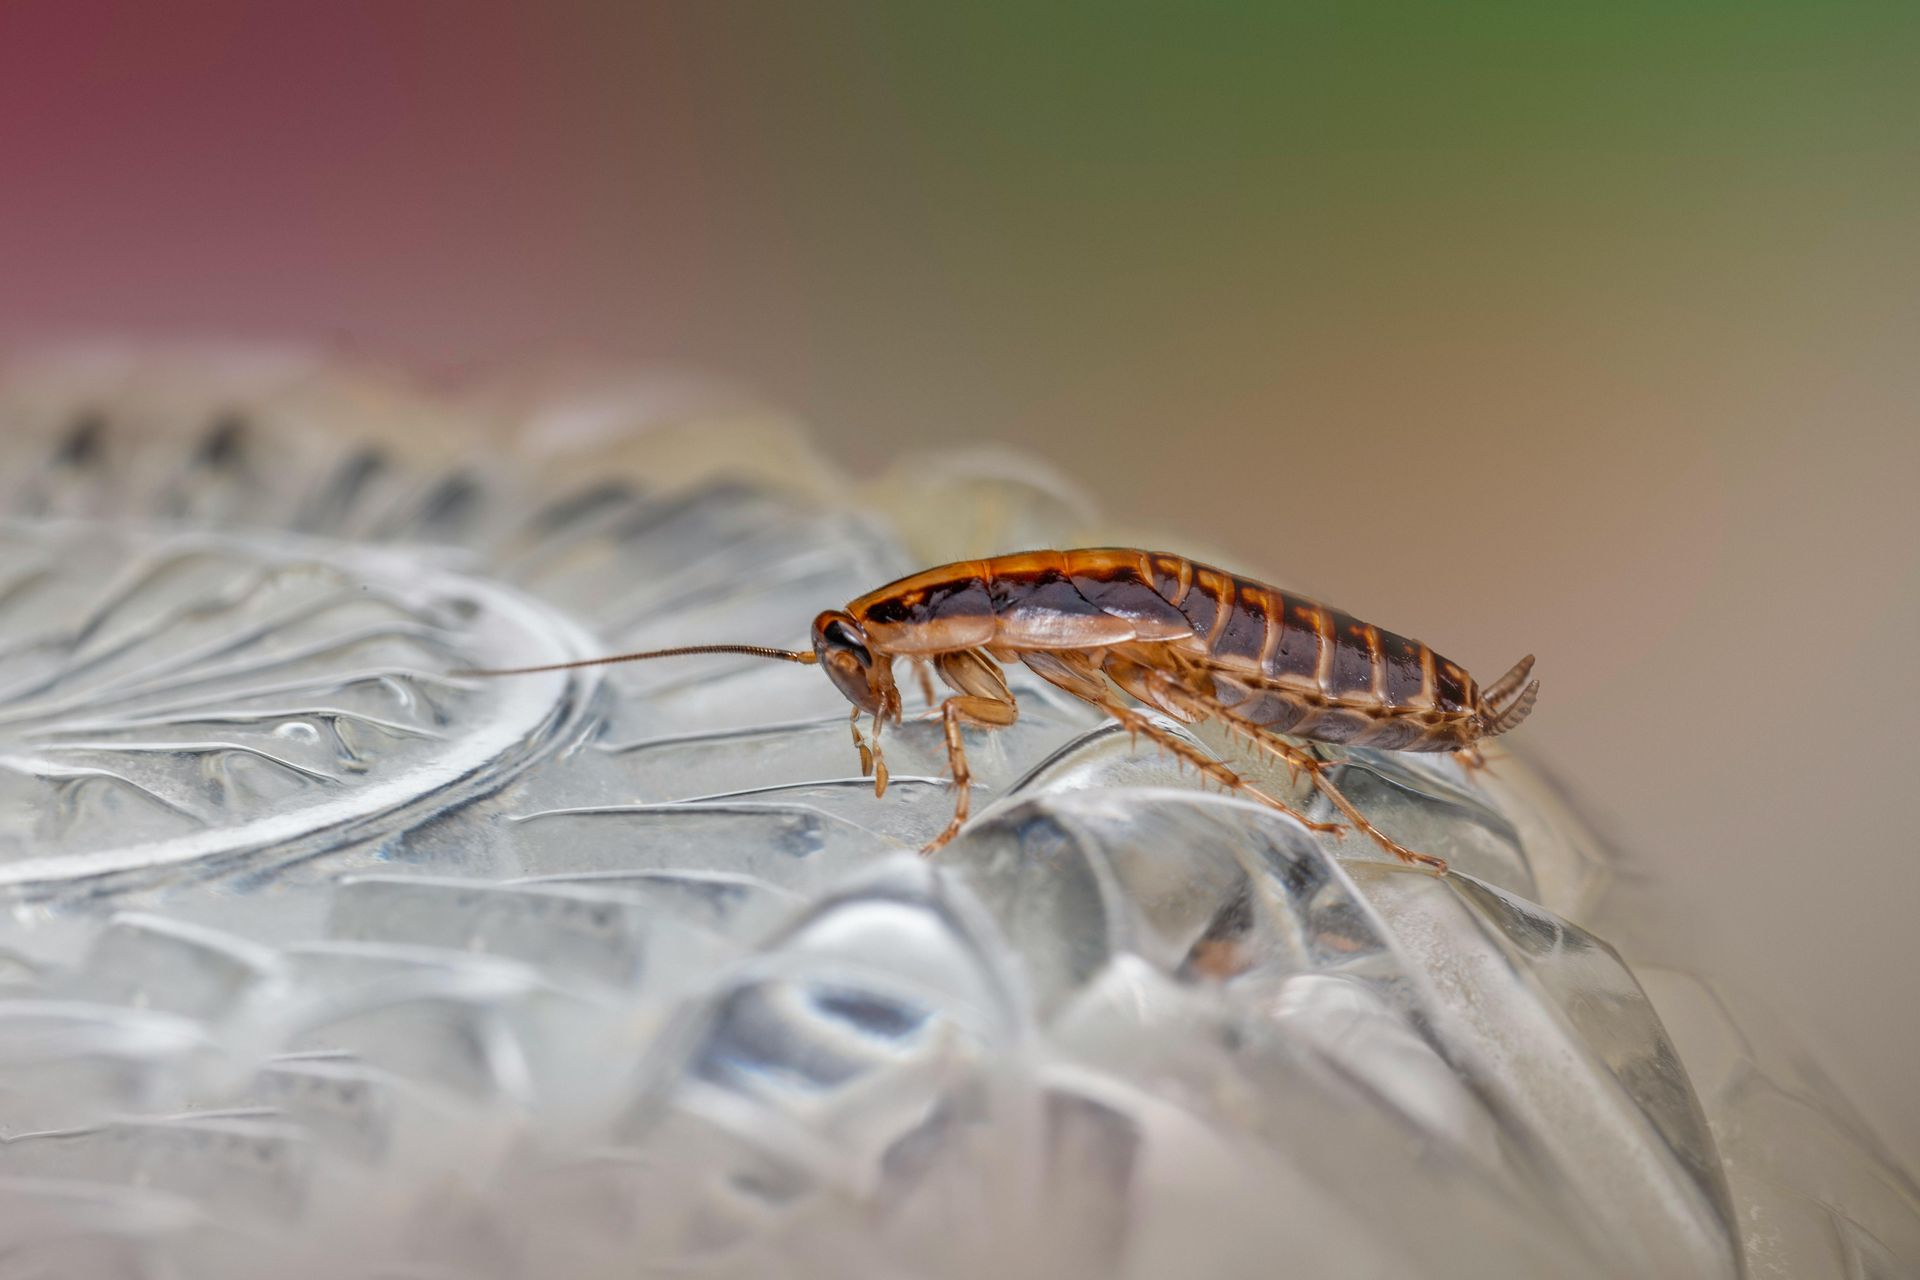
<point x="1585" y="332"/>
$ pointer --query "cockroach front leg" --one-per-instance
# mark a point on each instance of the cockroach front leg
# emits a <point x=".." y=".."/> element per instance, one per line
<point x="872" y="763"/>
<point x="986" y="713"/>
<point x="860" y="745"/>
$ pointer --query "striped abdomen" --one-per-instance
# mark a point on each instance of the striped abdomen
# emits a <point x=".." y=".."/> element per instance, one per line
<point x="1278" y="660"/>
<point x="1294" y="665"/>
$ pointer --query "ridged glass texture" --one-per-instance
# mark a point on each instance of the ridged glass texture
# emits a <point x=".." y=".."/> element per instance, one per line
<point x="320" y="960"/>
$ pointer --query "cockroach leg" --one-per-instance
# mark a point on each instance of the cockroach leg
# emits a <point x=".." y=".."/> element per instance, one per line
<point x="1298" y="761"/>
<point x="879" y="760"/>
<point x="860" y="745"/>
<point x="1317" y="770"/>
<point x="1182" y="750"/>
<point x="872" y="763"/>
<point x="1078" y="675"/>
<point x="1472" y="761"/>
<point x="987" y="713"/>
<point x="924" y="674"/>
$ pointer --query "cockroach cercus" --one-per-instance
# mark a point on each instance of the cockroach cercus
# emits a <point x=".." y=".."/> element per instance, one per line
<point x="1182" y="638"/>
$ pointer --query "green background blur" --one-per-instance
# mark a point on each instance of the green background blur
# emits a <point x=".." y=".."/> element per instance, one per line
<point x="1584" y="330"/>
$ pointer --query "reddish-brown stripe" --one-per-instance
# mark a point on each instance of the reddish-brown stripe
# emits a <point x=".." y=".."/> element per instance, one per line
<point x="1242" y="635"/>
<point x="1201" y="605"/>
<point x="1321" y="620"/>
<point x="1404" y="676"/>
<point x="1353" y="654"/>
<point x="1298" y="655"/>
<point x="1276" y="612"/>
<point x="953" y="591"/>
<point x="1226" y="603"/>
<point x="1039" y="588"/>
<point x="1172" y="578"/>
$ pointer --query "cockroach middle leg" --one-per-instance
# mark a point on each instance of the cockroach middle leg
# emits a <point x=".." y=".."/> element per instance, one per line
<point x="924" y="674"/>
<point x="987" y="713"/>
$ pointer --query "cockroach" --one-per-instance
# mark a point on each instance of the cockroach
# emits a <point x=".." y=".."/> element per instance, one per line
<point x="1191" y="641"/>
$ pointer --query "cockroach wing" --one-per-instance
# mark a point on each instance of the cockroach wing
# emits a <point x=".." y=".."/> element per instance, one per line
<point x="1125" y="596"/>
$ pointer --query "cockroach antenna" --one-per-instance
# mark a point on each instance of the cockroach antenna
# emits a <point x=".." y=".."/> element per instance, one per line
<point x="803" y="657"/>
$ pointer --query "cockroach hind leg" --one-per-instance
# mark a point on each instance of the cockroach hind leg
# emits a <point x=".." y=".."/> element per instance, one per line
<point x="1436" y="865"/>
<point x="1337" y="830"/>
<point x="1304" y="761"/>
<point x="1200" y="708"/>
<point x="1333" y="793"/>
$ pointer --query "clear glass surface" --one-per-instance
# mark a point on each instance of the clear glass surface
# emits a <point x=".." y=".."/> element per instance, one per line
<point x="322" y="959"/>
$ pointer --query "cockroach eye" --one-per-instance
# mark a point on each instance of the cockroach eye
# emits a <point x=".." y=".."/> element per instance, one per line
<point x="842" y="637"/>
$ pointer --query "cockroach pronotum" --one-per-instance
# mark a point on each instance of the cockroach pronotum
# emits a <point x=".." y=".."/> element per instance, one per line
<point x="1185" y="639"/>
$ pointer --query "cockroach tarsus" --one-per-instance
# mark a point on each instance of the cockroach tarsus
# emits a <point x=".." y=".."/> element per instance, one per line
<point x="1187" y="640"/>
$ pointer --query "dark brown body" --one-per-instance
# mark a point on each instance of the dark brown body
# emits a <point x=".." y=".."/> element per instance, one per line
<point x="1277" y="661"/>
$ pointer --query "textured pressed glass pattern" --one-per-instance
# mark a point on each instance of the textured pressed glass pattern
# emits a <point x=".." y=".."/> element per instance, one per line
<point x="322" y="960"/>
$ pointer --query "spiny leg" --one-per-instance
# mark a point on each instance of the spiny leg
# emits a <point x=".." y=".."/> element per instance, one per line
<point x="1181" y="749"/>
<point x="1080" y="675"/>
<point x="1297" y="762"/>
<point x="1317" y="770"/>
<point x="987" y="713"/>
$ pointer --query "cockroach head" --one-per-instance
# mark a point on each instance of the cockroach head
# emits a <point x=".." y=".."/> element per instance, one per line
<point x="841" y="646"/>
